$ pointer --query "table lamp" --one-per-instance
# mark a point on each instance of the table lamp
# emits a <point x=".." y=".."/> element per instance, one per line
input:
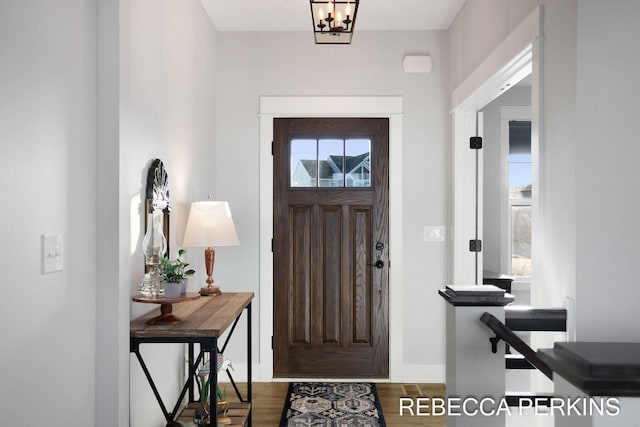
<point x="210" y="224"/>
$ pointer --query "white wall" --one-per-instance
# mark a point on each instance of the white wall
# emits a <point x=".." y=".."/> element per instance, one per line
<point x="48" y="95"/>
<point x="255" y="64"/>
<point x="607" y="172"/>
<point x="491" y="146"/>
<point x="555" y="278"/>
<point x="167" y="111"/>
<point x="112" y="308"/>
<point x="478" y="29"/>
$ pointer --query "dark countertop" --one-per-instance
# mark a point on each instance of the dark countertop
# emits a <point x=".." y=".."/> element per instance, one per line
<point x="597" y="368"/>
<point x="476" y="299"/>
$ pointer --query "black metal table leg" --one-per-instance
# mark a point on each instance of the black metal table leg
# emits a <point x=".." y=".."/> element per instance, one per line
<point x="213" y="381"/>
<point x="191" y="373"/>
<point x="249" y="361"/>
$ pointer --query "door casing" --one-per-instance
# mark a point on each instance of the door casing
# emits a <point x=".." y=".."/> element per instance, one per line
<point x="390" y="107"/>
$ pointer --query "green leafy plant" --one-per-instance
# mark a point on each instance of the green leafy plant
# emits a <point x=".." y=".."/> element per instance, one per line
<point x="204" y="380"/>
<point x="203" y="383"/>
<point x="222" y="394"/>
<point x="175" y="270"/>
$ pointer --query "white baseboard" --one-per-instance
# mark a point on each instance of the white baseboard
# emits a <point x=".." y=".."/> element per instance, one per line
<point x="402" y="374"/>
<point x="419" y="374"/>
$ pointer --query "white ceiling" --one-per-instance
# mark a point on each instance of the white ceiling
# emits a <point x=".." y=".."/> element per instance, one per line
<point x="295" y="15"/>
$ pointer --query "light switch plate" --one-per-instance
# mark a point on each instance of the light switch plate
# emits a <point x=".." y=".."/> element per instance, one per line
<point x="52" y="250"/>
<point x="434" y="233"/>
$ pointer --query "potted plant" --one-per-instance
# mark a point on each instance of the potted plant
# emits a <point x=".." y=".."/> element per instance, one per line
<point x="222" y="406"/>
<point x="174" y="274"/>
<point x="201" y="415"/>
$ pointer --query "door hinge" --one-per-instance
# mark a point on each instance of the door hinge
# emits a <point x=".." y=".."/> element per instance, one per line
<point x="271" y="245"/>
<point x="475" y="245"/>
<point x="475" y="142"/>
<point x="271" y="342"/>
<point x="273" y="144"/>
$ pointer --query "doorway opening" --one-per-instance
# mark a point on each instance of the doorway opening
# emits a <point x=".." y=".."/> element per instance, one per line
<point x="508" y="185"/>
<point x="518" y="58"/>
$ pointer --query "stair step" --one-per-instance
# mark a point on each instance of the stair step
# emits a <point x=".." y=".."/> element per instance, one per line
<point x="530" y="399"/>
<point x="517" y="361"/>
<point x="520" y="318"/>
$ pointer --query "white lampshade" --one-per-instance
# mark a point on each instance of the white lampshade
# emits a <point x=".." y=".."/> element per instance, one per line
<point x="210" y="224"/>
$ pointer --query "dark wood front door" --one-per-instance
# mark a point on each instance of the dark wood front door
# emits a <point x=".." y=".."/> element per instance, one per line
<point x="331" y="225"/>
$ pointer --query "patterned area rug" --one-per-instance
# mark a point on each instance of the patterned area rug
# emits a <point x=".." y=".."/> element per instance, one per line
<point x="332" y="405"/>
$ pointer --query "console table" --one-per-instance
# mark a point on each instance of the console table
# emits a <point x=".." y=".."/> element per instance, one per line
<point x="204" y="321"/>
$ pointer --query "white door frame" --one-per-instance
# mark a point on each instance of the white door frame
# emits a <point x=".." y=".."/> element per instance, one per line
<point x="271" y="107"/>
<point x="516" y="57"/>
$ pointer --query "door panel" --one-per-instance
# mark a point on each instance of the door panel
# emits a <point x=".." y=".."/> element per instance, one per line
<point x="361" y="278"/>
<point x="301" y="283"/>
<point x="330" y="210"/>
<point x="332" y="272"/>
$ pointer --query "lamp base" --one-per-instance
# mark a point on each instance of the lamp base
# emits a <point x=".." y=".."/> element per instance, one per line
<point x="210" y="291"/>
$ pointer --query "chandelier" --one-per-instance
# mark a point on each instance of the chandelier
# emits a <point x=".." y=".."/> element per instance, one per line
<point x="333" y="21"/>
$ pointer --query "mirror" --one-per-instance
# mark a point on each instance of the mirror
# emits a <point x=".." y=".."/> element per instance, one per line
<point x="157" y="199"/>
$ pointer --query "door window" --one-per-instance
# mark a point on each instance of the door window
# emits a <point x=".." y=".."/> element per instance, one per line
<point x="333" y="163"/>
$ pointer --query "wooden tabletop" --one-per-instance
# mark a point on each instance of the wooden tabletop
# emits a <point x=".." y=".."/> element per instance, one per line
<point x="203" y="317"/>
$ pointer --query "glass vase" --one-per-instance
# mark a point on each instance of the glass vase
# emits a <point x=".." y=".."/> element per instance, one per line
<point x="154" y="243"/>
<point x="154" y="246"/>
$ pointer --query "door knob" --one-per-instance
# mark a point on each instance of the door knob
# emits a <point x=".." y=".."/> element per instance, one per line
<point x="378" y="264"/>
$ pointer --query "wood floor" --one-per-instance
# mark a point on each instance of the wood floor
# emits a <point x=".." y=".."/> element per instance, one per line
<point x="268" y="401"/>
